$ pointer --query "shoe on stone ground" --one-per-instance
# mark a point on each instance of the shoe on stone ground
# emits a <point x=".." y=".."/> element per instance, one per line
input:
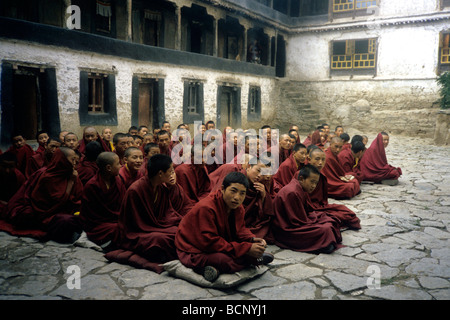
<point x="266" y="258"/>
<point x="210" y="273"/>
<point x="392" y="182"/>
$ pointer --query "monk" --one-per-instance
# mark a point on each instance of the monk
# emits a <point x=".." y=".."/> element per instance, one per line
<point x="216" y="177"/>
<point x="221" y="243"/>
<point x="338" y="130"/>
<point x="374" y="165"/>
<point x="22" y="151"/>
<point x="308" y="140"/>
<point x="258" y="203"/>
<point x="87" y="167"/>
<point x="341" y="185"/>
<point x="11" y="179"/>
<point x="318" y="199"/>
<point x="289" y="167"/>
<point x="107" y="137"/>
<point x="147" y="220"/>
<point x="41" y="138"/>
<point x="61" y="136"/>
<point x="46" y="206"/>
<point x="130" y="171"/>
<point x="143" y="130"/>
<point x="71" y="141"/>
<point x="163" y="139"/>
<point x="91" y="134"/>
<point x="193" y="177"/>
<point x="284" y="146"/>
<point x="42" y="159"/>
<point x="316" y="138"/>
<point x="296" y="226"/>
<point x="120" y="143"/>
<point x="149" y="150"/>
<point x="345" y="140"/>
<point x="101" y="201"/>
<point x="350" y="158"/>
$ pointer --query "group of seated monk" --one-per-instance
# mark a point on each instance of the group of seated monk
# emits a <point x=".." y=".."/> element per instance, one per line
<point x="145" y="200"/>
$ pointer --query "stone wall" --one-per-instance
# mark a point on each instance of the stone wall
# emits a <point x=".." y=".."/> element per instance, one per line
<point x="442" y="133"/>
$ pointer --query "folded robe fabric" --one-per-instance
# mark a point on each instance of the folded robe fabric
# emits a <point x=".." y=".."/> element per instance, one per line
<point x="337" y="188"/>
<point x="349" y="164"/>
<point x="195" y="181"/>
<point x="298" y="228"/>
<point x="285" y="173"/>
<point x="374" y="165"/>
<point x="216" y="177"/>
<point x="87" y="170"/>
<point x="100" y="208"/>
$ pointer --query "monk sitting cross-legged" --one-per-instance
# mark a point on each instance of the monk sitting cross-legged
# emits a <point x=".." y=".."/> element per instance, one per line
<point x="212" y="237"/>
<point x="341" y="185"/>
<point x="289" y="167"/>
<point x="298" y="227"/>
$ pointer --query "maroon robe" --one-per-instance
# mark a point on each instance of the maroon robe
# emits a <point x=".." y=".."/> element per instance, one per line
<point x="10" y="184"/>
<point x="219" y="240"/>
<point x="42" y="208"/>
<point x="147" y="226"/>
<point x="316" y="140"/>
<point x="194" y="179"/>
<point x="297" y="227"/>
<point x="349" y="164"/>
<point x="37" y="161"/>
<point x="318" y="201"/>
<point x="338" y="189"/>
<point x="100" y="208"/>
<point x="307" y="141"/>
<point x="258" y="213"/>
<point x="82" y="144"/>
<point x="285" y="173"/>
<point x="127" y="178"/>
<point x="23" y="154"/>
<point x="86" y="170"/>
<point x="374" y="165"/>
<point x="179" y="199"/>
<point x="216" y="178"/>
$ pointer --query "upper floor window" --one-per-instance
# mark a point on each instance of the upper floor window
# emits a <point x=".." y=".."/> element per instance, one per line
<point x="354" y="56"/>
<point x="444" y="52"/>
<point x="345" y="8"/>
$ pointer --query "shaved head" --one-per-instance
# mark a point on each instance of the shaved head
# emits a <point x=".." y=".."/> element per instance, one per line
<point x="106" y="158"/>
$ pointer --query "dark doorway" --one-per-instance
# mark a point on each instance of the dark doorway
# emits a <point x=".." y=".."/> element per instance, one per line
<point x="228" y="107"/>
<point x="147" y="102"/>
<point x="280" y="68"/>
<point x="29" y="102"/>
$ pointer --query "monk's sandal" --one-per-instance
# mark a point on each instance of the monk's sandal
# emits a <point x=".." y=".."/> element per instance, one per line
<point x="210" y="273"/>
<point x="266" y="258"/>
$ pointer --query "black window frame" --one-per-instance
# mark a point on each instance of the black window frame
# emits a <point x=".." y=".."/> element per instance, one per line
<point x="199" y="115"/>
<point x="254" y="102"/>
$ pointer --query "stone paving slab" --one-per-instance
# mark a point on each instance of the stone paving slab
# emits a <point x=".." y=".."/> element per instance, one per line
<point x="402" y="252"/>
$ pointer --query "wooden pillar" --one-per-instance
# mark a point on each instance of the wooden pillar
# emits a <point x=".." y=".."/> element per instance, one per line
<point x="216" y="36"/>
<point x="130" y="20"/>
<point x="178" y="39"/>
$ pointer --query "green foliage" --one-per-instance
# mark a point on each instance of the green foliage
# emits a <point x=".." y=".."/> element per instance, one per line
<point x="444" y="81"/>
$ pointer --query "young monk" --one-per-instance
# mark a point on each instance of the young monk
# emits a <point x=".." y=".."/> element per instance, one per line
<point x="221" y="243"/>
<point x="216" y="177"/>
<point x="45" y="206"/>
<point x="298" y="227"/>
<point x="345" y="140"/>
<point x="120" y="142"/>
<point x="61" y="136"/>
<point x="22" y="151"/>
<point x="163" y="139"/>
<point x="102" y="198"/>
<point x="148" y="221"/>
<point x="11" y="179"/>
<point x="341" y="184"/>
<point x="41" y="138"/>
<point x="374" y="165"/>
<point x="107" y="137"/>
<point x="87" y="167"/>
<point x="150" y="149"/>
<point x="71" y="141"/>
<point x="289" y="167"/>
<point x="130" y="172"/>
<point x="318" y="199"/>
<point x="91" y="134"/>
<point x="258" y="203"/>
<point x="350" y="158"/>
<point x="42" y="159"/>
<point x="193" y="177"/>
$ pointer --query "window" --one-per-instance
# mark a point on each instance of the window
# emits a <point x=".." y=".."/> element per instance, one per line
<point x="97" y="105"/>
<point x="354" y="56"/>
<point x="103" y="14"/>
<point x="193" y="101"/>
<point x="346" y="8"/>
<point x="444" y="52"/>
<point x="254" y="104"/>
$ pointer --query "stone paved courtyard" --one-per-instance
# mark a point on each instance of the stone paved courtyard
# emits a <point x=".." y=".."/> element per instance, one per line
<point x="404" y="242"/>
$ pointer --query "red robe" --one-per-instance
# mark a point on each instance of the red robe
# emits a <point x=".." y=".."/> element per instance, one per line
<point x="219" y="240"/>
<point x="126" y="177"/>
<point x="86" y="170"/>
<point x="285" y="173"/>
<point x="179" y="199"/>
<point x="337" y="188"/>
<point x="37" y="161"/>
<point x="82" y="144"/>
<point x="318" y="201"/>
<point x="23" y="154"/>
<point x="42" y="208"/>
<point x="216" y="177"/>
<point x="100" y="208"/>
<point x="297" y="227"/>
<point x="194" y="180"/>
<point x="316" y="140"/>
<point x="349" y="164"/>
<point x="258" y="214"/>
<point x="10" y="184"/>
<point x="374" y="165"/>
<point x="148" y="223"/>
